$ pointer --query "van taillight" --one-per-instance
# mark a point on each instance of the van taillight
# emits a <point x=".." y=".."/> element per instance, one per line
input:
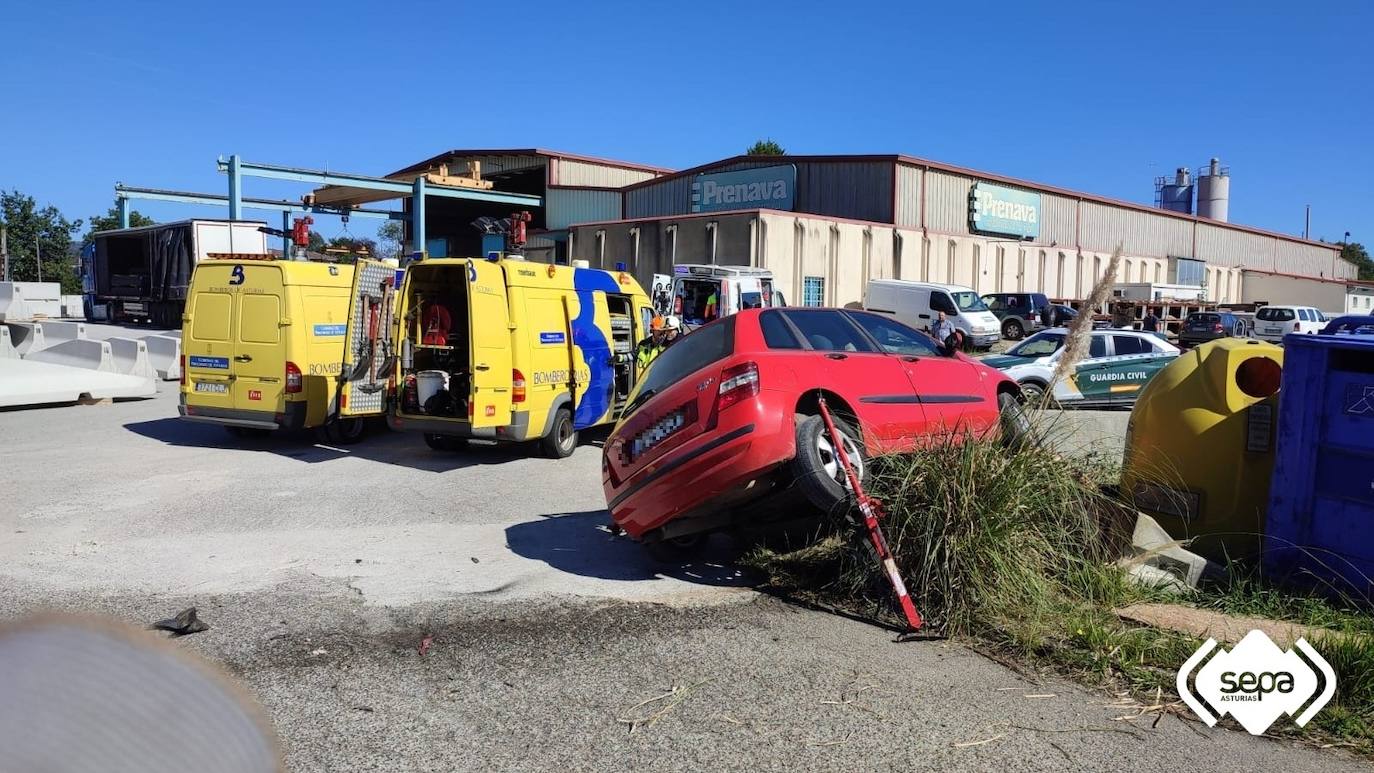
<point x="183" y="370"/>
<point x="517" y="392"/>
<point x="737" y="383"/>
<point x="294" y="382"/>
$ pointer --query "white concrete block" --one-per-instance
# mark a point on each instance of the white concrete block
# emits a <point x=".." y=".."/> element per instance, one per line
<point x="7" y="350"/>
<point x="56" y="332"/>
<point x="13" y="307"/>
<point x="44" y="299"/>
<point x="80" y="353"/>
<point x="73" y="307"/>
<point x="25" y="382"/>
<point x="164" y="352"/>
<point x="131" y="357"/>
<point x="27" y="336"/>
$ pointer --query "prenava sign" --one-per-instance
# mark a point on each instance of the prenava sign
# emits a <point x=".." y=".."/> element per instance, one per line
<point x="994" y="209"/>
<point x="766" y="187"/>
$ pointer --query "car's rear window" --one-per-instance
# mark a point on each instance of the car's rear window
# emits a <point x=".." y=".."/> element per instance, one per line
<point x="1271" y="314"/>
<point x="691" y="353"/>
<point x="776" y="333"/>
<point x="1208" y="318"/>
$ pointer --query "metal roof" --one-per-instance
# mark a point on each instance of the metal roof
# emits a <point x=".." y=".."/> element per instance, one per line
<point x="542" y="152"/>
<point x="943" y="167"/>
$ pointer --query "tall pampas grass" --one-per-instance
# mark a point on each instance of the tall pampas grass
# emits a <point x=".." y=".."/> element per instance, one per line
<point x="1077" y="342"/>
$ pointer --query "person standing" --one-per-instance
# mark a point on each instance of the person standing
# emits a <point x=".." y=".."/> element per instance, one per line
<point x="944" y="333"/>
<point x="1150" y="324"/>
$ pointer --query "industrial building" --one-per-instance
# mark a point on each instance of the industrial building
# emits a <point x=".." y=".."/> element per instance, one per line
<point x="825" y="225"/>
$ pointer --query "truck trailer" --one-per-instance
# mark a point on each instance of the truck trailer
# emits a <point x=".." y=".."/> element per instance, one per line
<point x="142" y="274"/>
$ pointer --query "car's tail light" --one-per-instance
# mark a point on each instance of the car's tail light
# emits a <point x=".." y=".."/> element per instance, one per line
<point x="737" y="383"/>
<point x="517" y="392"/>
<point x="1259" y="376"/>
<point x="183" y="370"/>
<point x="1216" y="328"/>
<point x="294" y="381"/>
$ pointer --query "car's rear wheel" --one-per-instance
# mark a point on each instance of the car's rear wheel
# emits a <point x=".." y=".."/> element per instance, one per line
<point x="562" y="438"/>
<point x="819" y="473"/>
<point x="1012" y="330"/>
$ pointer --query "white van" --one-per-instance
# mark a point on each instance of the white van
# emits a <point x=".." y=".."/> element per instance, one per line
<point x="689" y="291"/>
<point x="916" y="304"/>
<point x="1272" y="323"/>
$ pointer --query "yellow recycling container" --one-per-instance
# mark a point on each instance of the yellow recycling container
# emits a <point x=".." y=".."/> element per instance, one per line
<point x="1200" y="446"/>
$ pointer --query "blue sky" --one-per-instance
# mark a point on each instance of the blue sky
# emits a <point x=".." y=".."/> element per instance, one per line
<point x="1095" y="96"/>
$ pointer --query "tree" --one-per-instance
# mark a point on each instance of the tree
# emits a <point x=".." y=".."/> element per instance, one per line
<point x="110" y="221"/>
<point x="765" y="147"/>
<point x="1357" y="254"/>
<point x="317" y="243"/>
<point x="390" y="236"/>
<point x="33" y="232"/>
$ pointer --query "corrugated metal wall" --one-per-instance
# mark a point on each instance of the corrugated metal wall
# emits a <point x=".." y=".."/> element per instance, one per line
<point x="1225" y="247"/>
<point x="1291" y="258"/>
<point x="1103" y="227"/>
<point x="947" y="202"/>
<point x="1058" y="219"/>
<point x="564" y="206"/>
<point x="908" y="195"/>
<point x="495" y="164"/>
<point x="572" y="172"/>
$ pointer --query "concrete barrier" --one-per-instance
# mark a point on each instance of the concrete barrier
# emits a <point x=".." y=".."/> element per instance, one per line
<point x="7" y="350"/>
<point x="164" y="352"/>
<point x="43" y="298"/>
<point x="131" y="357"/>
<point x="55" y="332"/>
<point x="26" y="336"/>
<point x="81" y="353"/>
<point x="25" y="382"/>
<point x="13" y="307"/>
<point x="73" y="307"/>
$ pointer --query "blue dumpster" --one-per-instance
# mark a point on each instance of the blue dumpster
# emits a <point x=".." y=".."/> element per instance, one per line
<point x="1320" y="524"/>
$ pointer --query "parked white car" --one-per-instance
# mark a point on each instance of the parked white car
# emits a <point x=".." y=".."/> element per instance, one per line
<point x="917" y="303"/>
<point x="1272" y="323"/>
<point x="1118" y="365"/>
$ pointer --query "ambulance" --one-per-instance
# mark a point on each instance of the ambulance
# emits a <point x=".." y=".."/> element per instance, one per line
<point x="688" y="293"/>
<point x="262" y="346"/>
<point x="495" y="349"/>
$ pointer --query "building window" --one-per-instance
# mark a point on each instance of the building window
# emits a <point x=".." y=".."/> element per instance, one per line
<point x="949" y="269"/>
<point x="1159" y="273"/>
<point x="1059" y="286"/>
<point x="813" y="291"/>
<point x="977" y="276"/>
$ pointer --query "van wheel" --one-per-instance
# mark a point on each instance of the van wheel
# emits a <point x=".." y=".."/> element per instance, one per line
<point x="1012" y="330"/>
<point x="345" y="431"/>
<point x="817" y="467"/>
<point x="562" y="438"/>
<point x="445" y="442"/>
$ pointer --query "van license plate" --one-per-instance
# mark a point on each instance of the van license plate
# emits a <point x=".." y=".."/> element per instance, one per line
<point x="212" y="386"/>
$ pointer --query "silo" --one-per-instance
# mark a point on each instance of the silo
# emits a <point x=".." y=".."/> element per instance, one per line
<point x="1213" y="191"/>
<point x="1177" y="196"/>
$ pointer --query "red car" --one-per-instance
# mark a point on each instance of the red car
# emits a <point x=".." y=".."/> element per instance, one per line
<point x="728" y="415"/>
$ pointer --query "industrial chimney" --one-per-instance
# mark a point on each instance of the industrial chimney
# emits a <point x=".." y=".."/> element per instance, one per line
<point x="1213" y="191"/>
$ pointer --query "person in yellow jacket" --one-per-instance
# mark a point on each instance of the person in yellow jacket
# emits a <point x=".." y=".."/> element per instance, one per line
<point x="663" y="332"/>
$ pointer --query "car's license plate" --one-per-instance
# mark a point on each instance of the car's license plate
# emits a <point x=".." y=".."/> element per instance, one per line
<point x="212" y="386"/>
<point x="1273" y="330"/>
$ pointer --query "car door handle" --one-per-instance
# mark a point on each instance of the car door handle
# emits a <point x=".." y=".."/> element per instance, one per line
<point x="911" y="358"/>
<point x="923" y="316"/>
<point x="243" y="358"/>
<point x="482" y="367"/>
<point x="837" y="356"/>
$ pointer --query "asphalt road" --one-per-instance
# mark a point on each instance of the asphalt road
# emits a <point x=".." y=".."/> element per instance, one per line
<point x="321" y="570"/>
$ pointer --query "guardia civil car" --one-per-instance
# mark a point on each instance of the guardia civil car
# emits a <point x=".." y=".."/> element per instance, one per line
<point x="1119" y="363"/>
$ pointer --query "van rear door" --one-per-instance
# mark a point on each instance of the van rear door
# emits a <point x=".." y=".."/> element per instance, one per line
<point x="259" y="362"/>
<point x="208" y="338"/>
<point x="490" y="352"/>
<point x="370" y="355"/>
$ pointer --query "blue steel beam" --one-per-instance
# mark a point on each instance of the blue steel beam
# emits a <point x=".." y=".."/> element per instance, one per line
<point x="235" y="190"/>
<point x="417" y="215"/>
<point x="237" y="168"/>
<point x="124" y="193"/>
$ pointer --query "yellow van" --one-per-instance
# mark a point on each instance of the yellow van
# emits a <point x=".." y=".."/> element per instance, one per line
<point x="262" y="346"/>
<point x="497" y="349"/>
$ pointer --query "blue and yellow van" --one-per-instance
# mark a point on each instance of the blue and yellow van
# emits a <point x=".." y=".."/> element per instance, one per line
<point x="496" y="349"/>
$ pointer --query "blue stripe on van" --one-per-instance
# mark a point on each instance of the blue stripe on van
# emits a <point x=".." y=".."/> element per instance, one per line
<point x="596" y="350"/>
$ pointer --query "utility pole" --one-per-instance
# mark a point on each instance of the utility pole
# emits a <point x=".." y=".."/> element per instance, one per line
<point x="1307" y="224"/>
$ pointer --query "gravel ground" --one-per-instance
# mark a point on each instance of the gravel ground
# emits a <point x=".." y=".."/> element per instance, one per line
<point x="322" y="569"/>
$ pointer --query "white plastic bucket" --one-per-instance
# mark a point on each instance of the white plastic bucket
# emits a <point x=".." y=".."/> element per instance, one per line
<point x="428" y="383"/>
